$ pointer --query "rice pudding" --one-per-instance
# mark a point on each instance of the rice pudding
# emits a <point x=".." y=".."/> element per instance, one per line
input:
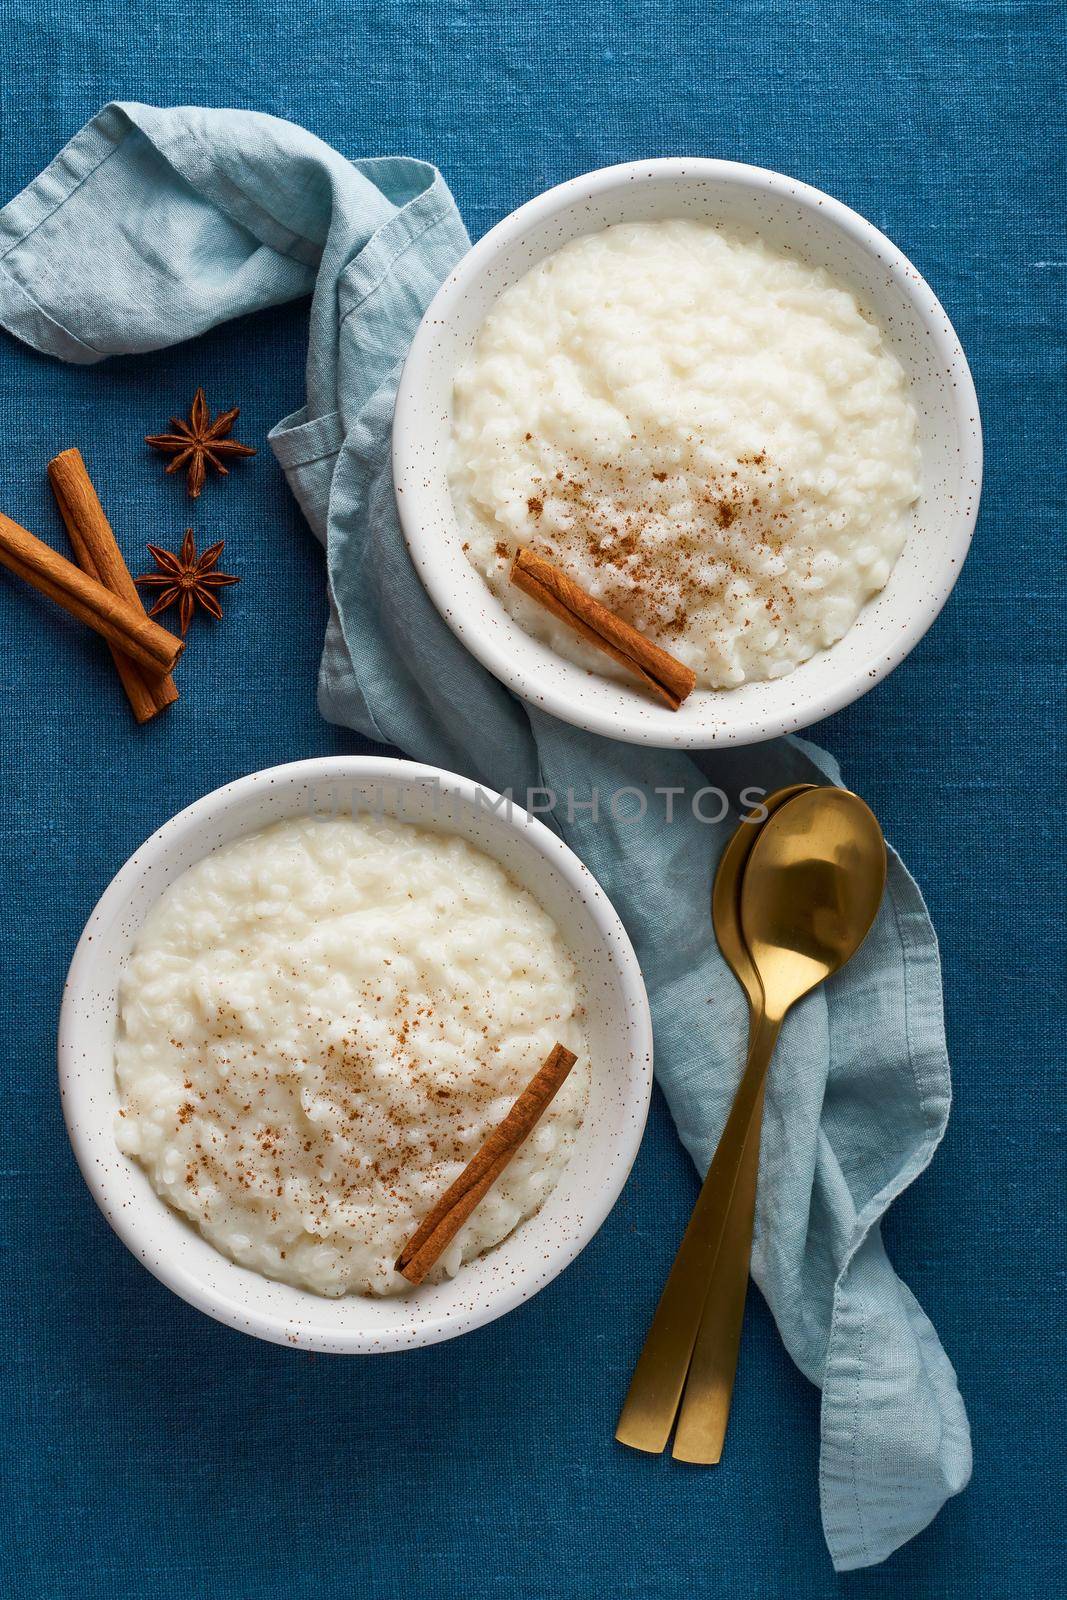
<point x="706" y="434"/>
<point x="320" y="1024"/>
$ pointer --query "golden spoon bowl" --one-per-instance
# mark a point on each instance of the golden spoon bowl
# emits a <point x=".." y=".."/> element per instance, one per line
<point x="812" y="887"/>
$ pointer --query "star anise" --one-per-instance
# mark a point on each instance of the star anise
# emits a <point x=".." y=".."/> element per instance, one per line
<point x="196" y="442"/>
<point x="188" y="579"/>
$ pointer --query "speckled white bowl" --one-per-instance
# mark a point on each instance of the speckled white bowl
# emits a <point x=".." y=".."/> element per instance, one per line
<point x="619" y="1030"/>
<point x="818" y="229"/>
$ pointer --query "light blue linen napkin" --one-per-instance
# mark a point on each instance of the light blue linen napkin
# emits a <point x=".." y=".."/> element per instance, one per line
<point x="233" y="211"/>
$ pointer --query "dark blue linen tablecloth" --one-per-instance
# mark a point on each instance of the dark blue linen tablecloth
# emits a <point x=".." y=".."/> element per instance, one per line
<point x="147" y="1452"/>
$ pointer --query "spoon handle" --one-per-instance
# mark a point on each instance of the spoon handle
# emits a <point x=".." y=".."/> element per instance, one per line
<point x="709" y="1387"/>
<point x="651" y="1403"/>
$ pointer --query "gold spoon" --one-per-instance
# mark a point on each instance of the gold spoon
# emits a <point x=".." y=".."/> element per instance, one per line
<point x="709" y="1387"/>
<point x="811" y="890"/>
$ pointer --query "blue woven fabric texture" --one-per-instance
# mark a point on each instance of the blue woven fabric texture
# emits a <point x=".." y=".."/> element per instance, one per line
<point x="208" y="189"/>
<point x="157" y="1454"/>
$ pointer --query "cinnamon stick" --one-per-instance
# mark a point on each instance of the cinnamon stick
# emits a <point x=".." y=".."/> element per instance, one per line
<point x="121" y="624"/>
<point x="667" y="677"/>
<point x="98" y="554"/>
<point x="444" y="1221"/>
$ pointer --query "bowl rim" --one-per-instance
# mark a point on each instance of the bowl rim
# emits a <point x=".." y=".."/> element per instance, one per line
<point x="650" y="728"/>
<point x="226" y="1305"/>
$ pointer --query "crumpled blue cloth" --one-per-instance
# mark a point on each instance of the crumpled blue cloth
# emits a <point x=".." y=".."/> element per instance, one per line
<point x="154" y="225"/>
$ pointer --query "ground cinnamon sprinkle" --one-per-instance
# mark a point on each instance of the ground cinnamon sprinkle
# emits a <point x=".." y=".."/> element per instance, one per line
<point x="651" y="554"/>
<point x="348" y="1079"/>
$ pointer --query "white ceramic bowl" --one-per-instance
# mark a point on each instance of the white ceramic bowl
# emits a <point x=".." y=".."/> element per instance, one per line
<point x="619" y="1030"/>
<point x="816" y="228"/>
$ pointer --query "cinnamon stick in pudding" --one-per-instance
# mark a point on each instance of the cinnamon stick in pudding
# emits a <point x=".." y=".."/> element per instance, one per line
<point x="436" y="1232"/>
<point x="126" y="626"/>
<point x="667" y="677"/>
<point x="98" y="554"/>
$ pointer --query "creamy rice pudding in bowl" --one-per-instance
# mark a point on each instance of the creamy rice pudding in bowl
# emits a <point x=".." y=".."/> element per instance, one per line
<point x="302" y="1008"/>
<point x="696" y="419"/>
